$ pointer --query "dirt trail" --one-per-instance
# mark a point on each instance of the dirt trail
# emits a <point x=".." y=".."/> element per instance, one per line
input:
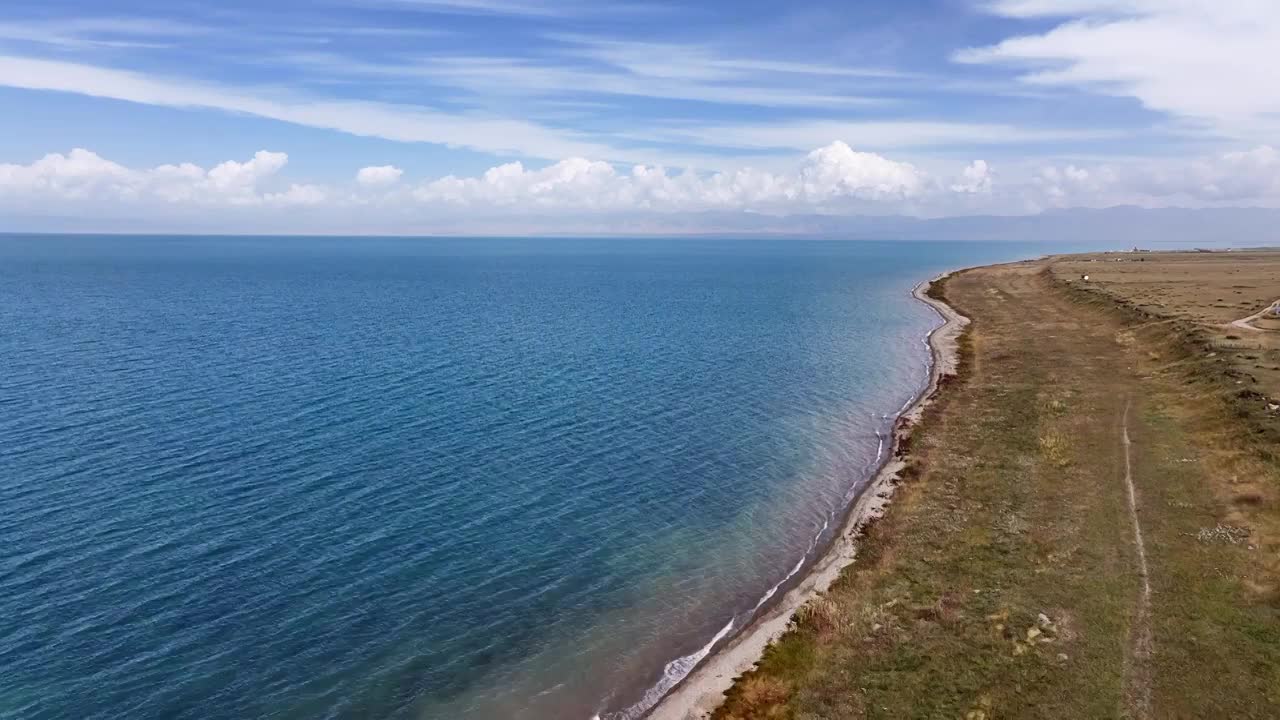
<point x="1138" y="670"/>
<point x="1244" y="323"/>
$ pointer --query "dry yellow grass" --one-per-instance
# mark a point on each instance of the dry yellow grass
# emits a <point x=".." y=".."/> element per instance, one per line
<point x="1209" y="290"/>
<point x="761" y="697"/>
<point x="820" y="615"/>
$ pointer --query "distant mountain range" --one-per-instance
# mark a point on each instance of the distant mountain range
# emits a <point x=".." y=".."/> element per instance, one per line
<point x="1124" y="226"/>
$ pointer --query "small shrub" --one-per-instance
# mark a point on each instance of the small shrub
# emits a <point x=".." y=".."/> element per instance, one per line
<point x="1054" y="448"/>
<point x="759" y="694"/>
<point x="821" y="615"/>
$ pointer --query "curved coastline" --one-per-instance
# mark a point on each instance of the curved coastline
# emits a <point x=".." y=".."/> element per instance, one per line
<point x="702" y="690"/>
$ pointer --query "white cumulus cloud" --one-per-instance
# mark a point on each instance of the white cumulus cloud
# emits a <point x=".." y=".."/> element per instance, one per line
<point x="378" y="175"/>
<point x="75" y="174"/>
<point x="83" y="174"/>
<point x="828" y="176"/>
<point x="976" y="178"/>
<point x="232" y="175"/>
<point x="833" y="179"/>
<point x="1239" y="178"/>
<point x="298" y="194"/>
<point x="837" y="170"/>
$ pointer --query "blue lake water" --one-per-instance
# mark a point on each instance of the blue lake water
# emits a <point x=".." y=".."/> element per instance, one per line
<point x="406" y="478"/>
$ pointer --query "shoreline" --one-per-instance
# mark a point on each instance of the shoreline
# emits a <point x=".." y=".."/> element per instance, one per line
<point x="698" y="695"/>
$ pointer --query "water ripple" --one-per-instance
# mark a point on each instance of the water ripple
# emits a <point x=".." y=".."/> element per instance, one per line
<point x="273" y="478"/>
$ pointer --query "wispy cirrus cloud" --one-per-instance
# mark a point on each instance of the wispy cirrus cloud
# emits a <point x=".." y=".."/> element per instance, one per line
<point x="704" y="62"/>
<point x="516" y="8"/>
<point x="1053" y="103"/>
<point x="582" y="70"/>
<point x="1209" y="64"/>
<point x="468" y="7"/>
<point x="1066" y="8"/>
<point x="881" y="135"/>
<point x="372" y="119"/>
<point x="104" y="32"/>
<point x="700" y="144"/>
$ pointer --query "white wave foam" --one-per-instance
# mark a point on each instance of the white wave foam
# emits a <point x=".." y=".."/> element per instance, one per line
<point x="672" y="674"/>
<point x="679" y="669"/>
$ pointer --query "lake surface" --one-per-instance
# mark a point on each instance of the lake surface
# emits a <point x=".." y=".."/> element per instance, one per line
<point x="405" y="478"/>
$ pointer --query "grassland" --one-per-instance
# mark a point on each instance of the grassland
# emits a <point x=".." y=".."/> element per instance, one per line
<point x="1210" y="291"/>
<point x="1088" y="527"/>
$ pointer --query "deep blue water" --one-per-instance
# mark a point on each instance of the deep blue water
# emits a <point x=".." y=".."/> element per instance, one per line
<point x="396" y="478"/>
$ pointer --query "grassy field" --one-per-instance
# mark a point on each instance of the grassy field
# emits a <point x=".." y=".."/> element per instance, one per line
<point x="1087" y="439"/>
<point x="1210" y="290"/>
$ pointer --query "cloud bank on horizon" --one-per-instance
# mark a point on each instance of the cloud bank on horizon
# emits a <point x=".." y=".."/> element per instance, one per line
<point x="405" y="112"/>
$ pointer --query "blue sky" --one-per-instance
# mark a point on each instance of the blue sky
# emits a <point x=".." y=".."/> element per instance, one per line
<point x="924" y="107"/>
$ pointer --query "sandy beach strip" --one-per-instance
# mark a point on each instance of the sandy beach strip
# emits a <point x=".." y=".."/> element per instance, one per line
<point x="699" y="694"/>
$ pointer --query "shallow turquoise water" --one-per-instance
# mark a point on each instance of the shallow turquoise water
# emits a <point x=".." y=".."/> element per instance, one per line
<point x="397" y="478"/>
